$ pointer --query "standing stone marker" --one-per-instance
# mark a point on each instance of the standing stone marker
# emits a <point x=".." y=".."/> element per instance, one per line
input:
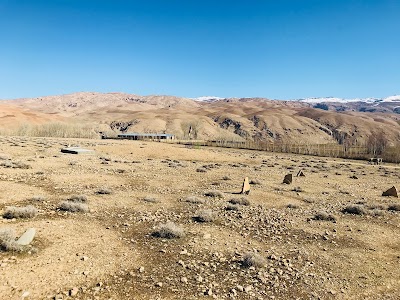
<point x="26" y="238"/>
<point x="300" y="173"/>
<point x="391" y="192"/>
<point x="288" y="179"/>
<point x="245" y="186"/>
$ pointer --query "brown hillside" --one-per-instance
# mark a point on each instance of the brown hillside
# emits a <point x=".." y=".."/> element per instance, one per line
<point x="232" y="119"/>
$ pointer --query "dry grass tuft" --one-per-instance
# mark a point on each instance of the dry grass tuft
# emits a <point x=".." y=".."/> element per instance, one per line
<point x="255" y="182"/>
<point x="8" y="243"/>
<point x="253" y="260"/>
<point x="73" y="206"/>
<point x="355" y="210"/>
<point x="293" y="206"/>
<point x="104" y="191"/>
<point x="297" y="189"/>
<point x="26" y="212"/>
<point x="38" y="198"/>
<point x="232" y="207"/>
<point x="78" y="198"/>
<point x="4" y="157"/>
<point x="150" y="199"/>
<point x="205" y="215"/>
<point x="14" y="164"/>
<point x="194" y="200"/>
<point x="323" y="216"/>
<point x="169" y="230"/>
<point x="240" y="201"/>
<point x="394" y="207"/>
<point x="214" y="194"/>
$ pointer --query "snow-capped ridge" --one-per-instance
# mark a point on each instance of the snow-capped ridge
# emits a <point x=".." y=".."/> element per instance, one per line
<point x="207" y="99"/>
<point x="394" y="98"/>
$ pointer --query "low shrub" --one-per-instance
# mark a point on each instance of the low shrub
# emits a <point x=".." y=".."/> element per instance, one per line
<point x="214" y="194"/>
<point x="240" y="201"/>
<point x="253" y="260"/>
<point x="323" y="216"/>
<point x="73" y="206"/>
<point x="38" y="198"/>
<point x="291" y="205"/>
<point x="7" y="241"/>
<point x="394" y="207"/>
<point x="355" y="210"/>
<point x="232" y="207"/>
<point x="26" y="212"/>
<point x="104" y="191"/>
<point x="169" y="230"/>
<point x="255" y="181"/>
<point x="194" y="199"/>
<point x="205" y="215"/>
<point x="150" y="199"/>
<point x="78" y="198"/>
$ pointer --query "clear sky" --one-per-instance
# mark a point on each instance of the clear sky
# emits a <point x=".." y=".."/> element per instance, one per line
<point x="280" y="49"/>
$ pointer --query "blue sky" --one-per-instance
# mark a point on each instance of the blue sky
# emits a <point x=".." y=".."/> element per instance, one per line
<point x="282" y="49"/>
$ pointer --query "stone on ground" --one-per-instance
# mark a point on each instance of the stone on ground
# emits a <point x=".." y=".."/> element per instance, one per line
<point x="300" y="174"/>
<point x="26" y="238"/>
<point x="76" y="150"/>
<point x="391" y="192"/>
<point x="288" y="179"/>
<point x="245" y="186"/>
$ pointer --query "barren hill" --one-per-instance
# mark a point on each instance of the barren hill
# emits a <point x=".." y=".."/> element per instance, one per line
<point x="232" y="119"/>
<point x="12" y="116"/>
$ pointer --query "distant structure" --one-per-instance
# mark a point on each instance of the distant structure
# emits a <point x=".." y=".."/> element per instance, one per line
<point x="146" y="136"/>
<point x="375" y="160"/>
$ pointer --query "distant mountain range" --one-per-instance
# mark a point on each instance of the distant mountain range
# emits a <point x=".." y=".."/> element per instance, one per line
<point x="389" y="104"/>
<point x="395" y="98"/>
<point x="314" y="120"/>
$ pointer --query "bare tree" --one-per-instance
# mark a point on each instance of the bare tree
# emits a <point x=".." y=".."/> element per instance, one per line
<point x="376" y="143"/>
<point x="191" y="129"/>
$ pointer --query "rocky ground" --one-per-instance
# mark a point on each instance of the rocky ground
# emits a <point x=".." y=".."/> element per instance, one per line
<point x="328" y="235"/>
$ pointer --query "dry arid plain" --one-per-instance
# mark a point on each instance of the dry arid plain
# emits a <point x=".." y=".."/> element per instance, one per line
<point x="148" y="220"/>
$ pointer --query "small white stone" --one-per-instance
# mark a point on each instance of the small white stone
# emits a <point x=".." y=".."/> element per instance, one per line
<point x="184" y="280"/>
<point x="248" y="288"/>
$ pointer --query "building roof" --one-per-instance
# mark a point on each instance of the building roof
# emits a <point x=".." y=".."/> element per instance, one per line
<point x="146" y="134"/>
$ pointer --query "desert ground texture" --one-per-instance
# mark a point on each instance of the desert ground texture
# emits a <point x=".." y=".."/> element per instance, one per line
<point x="328" y="235"/>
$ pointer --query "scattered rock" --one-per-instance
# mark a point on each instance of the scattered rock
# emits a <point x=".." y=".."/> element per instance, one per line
<point x="73" y="292"/>
<point x="26" y="238"/>
<point x="184" y="280"/>
<point x="391" y="192"/>
<point x="300" y="174"/>
<point x="248" y="288"/>
<point x="288" y="179"/>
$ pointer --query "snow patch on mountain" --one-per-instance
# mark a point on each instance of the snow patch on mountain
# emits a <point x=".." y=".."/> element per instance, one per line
<point x="394" y="98"/>
<point x="207" y="99"/>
